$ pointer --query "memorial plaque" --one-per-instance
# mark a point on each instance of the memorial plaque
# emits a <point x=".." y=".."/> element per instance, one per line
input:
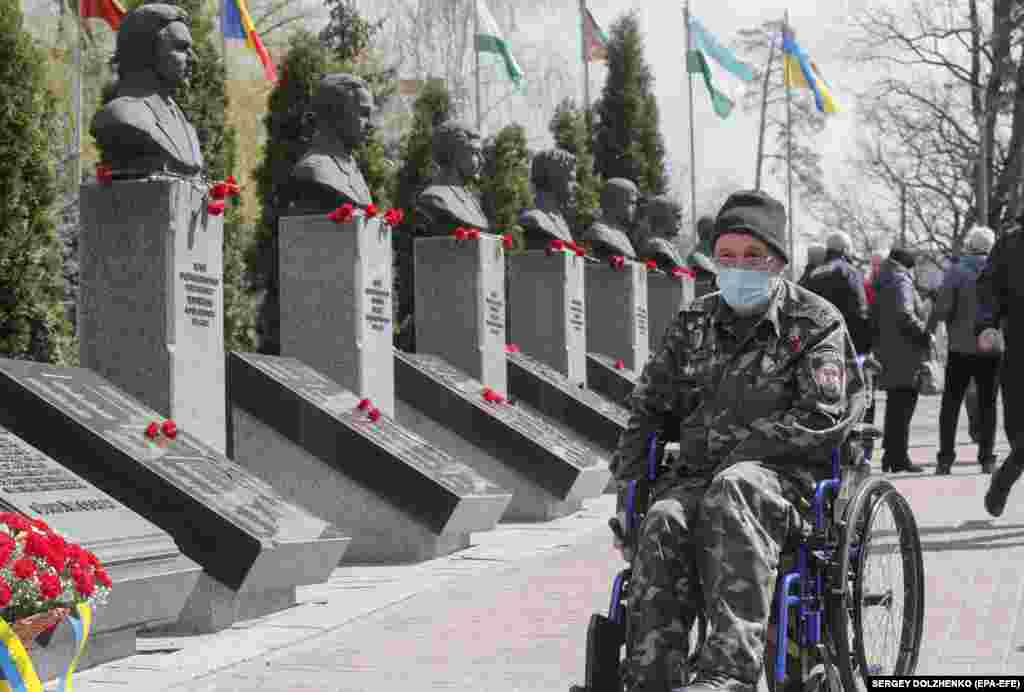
<point x="371" y="478"/>
<point x="541" y="464"/>
<point x="604" y="378"/>
<point x="336" y="302"/>
<point x="460" y="305"/>
<point x="548" y="311"/>
<point x="666" y="296"/>
<point x="205" y="501"/>
<point x="584" y="411"/>
<point x="151" y="577"/>
<point x="150" y="318"/>
<point x="617" y="317"/>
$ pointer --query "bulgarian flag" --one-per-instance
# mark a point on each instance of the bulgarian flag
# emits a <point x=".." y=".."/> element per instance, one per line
<point x="724" y="75"/>
<point x="109" y="11"/>
<point x="236" y="23"/>
<point x="595" y="41"/>
<point x="490" y="40"/>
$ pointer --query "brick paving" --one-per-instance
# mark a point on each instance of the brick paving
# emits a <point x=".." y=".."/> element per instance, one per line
<point x="510" y="614"/>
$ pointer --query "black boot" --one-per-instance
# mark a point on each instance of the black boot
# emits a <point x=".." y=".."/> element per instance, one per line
<point x="944" y="463"/>
<point x="717" y="682"/>
<point x="987" y="463"/>
<point x="1002" y="481"/>
<point x="903" y="466"/>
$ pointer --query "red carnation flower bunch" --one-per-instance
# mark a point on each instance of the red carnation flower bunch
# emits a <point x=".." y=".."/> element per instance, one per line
<point x="617" y="262"/>
<point x="460" y="234"/>
<point x="557" y="245"/>
<point x="372" y="412"/>
<point x="161" y="434"/>
<point x="220" y="192"/>
<point x="41" y="571"/>
<point x="683" y="272"/>
<point x="394" y="217"/>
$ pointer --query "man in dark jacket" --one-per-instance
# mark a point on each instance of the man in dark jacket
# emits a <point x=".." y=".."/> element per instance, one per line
<point x="815" y="258"/>
<point x="902" y="346"/>
<point x="838" y="282"/>
<point x="1000" y="286"/>
<point x="956" y="305"/>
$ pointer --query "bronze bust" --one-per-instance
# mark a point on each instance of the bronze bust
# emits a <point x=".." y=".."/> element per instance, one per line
<point x="327" y="176"/>
<point x="448" y="203"/>
<point x="662" y="224"/>
<point x="142" y="131"/>
<point x="553" y="173"/>
<point x="609" y="236"/>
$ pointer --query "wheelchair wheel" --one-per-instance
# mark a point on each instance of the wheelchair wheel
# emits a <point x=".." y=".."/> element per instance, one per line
<point x="877" y="622"/>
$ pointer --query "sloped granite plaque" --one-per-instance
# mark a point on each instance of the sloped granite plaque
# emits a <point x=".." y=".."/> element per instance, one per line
<point x="254" y="545"/>
<point x="548" y="471"/>
<point x="398" y="495"/>
<point x="588" y="413"/>
<point x="608" y="380"/>
<point x="151" y="577"/>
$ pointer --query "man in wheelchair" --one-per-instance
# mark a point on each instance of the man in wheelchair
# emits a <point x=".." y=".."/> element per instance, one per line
<point x="760" y="378"/>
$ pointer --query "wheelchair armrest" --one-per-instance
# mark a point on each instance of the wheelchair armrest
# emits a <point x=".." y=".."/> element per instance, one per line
<point x="865" y="431"/>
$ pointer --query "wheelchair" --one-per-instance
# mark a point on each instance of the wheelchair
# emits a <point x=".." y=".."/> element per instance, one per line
<point x="830" y="599"/>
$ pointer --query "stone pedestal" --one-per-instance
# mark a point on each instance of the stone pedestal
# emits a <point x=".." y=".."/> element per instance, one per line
<point x="152" y="579"/>
<point x="460" y="305"/>
<point x="336" y="303"/>
<point x="548" y="314"/>
<point x="666" y="296"/>
<point x="150" y="314"/>
<point x="617" y="317"/>
<point x="400" y="497"/>
<point x="254" y="545"/>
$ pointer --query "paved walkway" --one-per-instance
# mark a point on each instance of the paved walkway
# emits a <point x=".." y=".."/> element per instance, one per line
<point x="510" y="613"/>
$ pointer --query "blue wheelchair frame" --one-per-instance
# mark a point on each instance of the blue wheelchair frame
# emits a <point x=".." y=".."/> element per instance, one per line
<point x="802" y="589"/>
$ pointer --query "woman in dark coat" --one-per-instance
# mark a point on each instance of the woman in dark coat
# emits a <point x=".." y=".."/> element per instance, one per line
<point x="902" y="348"/>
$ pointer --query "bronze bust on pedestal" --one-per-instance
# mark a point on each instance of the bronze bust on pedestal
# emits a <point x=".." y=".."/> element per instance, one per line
<point x="609" y="236"/>
<point x="448" y="203"/>
<point x="327" y="176"/>
<point x="553" y="174"/>
<point x="655" y="240"/>
<point x="142" y="131"/>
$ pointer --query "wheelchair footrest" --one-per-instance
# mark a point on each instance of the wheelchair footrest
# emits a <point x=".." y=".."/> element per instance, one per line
<point x="605" y="640"/>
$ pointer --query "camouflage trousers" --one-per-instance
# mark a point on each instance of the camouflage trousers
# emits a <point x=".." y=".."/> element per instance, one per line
<point x="714" y="545"/>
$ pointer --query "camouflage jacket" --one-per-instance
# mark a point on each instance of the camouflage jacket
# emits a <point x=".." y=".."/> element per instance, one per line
<point x="785" y="395"/>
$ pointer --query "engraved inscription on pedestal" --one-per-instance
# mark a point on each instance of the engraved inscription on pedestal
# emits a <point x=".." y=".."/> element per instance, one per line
<point x="200" y="291"/>
<point x="495" y="315"/>
<point x="378" y="306"/>
<point x="576" y="315"/>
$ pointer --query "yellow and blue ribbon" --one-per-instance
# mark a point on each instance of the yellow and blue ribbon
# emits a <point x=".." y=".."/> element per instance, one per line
<point x="15" y="663"/>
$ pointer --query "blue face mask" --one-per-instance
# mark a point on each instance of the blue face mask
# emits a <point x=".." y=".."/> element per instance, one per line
<point x="746" y="290"/>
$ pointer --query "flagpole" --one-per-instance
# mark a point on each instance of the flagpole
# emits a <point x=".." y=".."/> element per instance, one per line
<point x="693" y="153"/>
<point x="76" y="168"/>
<point x="764" y="113"/>
<point x="476" y="51"/>
<point x="583" y="54"/>
<point x="789" y="161"/>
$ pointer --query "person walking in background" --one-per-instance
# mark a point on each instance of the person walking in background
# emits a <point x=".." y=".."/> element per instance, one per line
<point x="902" y="346"/>
<point x="999" y="287"/>
<point x="957" y="306"/>
<point x="841" y="284"/>
<point x="871" y="282"/>
<point x="815" y="258"/>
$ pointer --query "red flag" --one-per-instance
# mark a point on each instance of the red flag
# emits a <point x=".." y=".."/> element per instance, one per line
<point x="595" y="41"/>
<point x="109" y="11"/>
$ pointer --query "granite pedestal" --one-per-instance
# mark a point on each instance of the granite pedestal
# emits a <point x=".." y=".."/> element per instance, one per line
<point x="606" y="378"/>
<point x="460" y="305"/>
<point x="336" y="303"/>
<point x="152" y="579"/>
<point x="151" y="298"/>
<point x="617" y="317"/>
<point x="666" y="296"/>
<point x="254" y="546"/>
<point x="548" y="471"/>
<point x="401" y="498"/>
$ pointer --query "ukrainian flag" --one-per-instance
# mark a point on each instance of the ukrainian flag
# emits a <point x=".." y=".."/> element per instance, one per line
<point x="801" y="73"/>
<point x="236" y="23"/>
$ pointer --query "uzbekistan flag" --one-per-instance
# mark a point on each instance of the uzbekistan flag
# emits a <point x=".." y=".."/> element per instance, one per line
<point x="801" y="73"/>
<point x="109" y="11"/>
<point x="724" y="75"/>
<point x="490" y="40"/>
<point x="595" y="41"/>
<point x="237" y="24"/>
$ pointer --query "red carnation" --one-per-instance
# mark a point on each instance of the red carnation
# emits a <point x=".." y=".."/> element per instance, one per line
<point x="681" y="272"/>
<point x="36" y="545"/>
<point x="488" y="394"/>
<point x="50" y="586"/>
<point x="651" y="264"/>
<point x="41" y="525"/>
<point x="620" y="364"/>
<point x="103" y="578"/>
<point x="86" y="585"/>
<point x="73" y="553"/>
<point x="57" y="559"/>
<point x="5" y="593"/>
<point x="555" y="246"/>
<point x="24" y="568"/>
<point x="92" y="560"/>
<point x="363" y="404"/>
<point x="498" y="398"/>
<point x="374" y="414"/>
<point x="104" y="174"/>
<point x="580" y="252"/>
<point x="16" y="521"/>
<point x="7" y="547"/>
<point x="473" y="234"/>
<point x="170" y="429"/>
<point x="216" y="207"/>
<point x="506" y="241"/>
<point x="152" y="430"/>
<point x="394" y="217"/>
<point x="233" y="189"/>
<point x="460" y="233"/>
<point x="617" y="262"/>
<point x="343" y="214"/>
<point x="371" y="210"/>
<point x="511" y="348"/>
<point x="219" y="191"/>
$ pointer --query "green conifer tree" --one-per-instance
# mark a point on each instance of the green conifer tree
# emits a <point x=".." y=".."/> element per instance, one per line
<point x="505" y="181"/>
<point x="569" y="128"/>
<point x="33" y="324"/>
<point x="627" y="141"/>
